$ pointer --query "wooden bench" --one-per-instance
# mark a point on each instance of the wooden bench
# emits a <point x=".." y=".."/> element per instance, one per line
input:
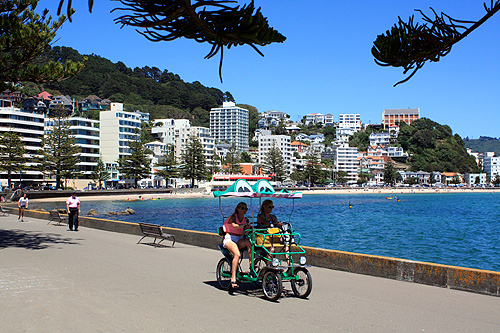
<point x="153" y="230"/>
<point x="56" y="217"/>
<point x="3" y="211"/>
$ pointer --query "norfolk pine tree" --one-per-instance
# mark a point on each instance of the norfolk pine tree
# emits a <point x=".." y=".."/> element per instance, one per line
<point x="232" y="160"/>
<point x="274" y="163"/>
<point x="100" y="174"/>
<point x="11" y="154"/>
<point x="59" y="153"/>
<point x="137" y="165"/>
<point x="25" y="35"/>
<point x="167" y="165"/>
<point x="193" y="160"/>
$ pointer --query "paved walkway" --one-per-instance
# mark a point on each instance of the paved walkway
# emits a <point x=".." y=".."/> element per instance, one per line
<point x="54" y="280"/>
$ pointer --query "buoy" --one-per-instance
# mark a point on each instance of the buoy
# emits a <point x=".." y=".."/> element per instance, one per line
<point x="350" y="206"/>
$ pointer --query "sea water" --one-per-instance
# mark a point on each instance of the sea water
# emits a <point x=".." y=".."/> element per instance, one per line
<point x="460" y="229"/>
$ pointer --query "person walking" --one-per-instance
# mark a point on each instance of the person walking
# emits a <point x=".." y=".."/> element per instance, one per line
<point x="73" y="208"/>
<point x="22" y="204"/>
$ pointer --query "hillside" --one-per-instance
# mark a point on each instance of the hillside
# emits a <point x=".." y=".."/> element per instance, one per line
<point x="483" y="144"/>
<point x="431" y="146"/>
<point x="161" y="93"/>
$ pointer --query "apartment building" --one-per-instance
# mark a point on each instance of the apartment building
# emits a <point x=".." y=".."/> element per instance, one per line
<point x="229" y="123"/>
<point x="203" y="134"/>
<point x="282" y="142"/>
<point x="29" y="125"/>
<point x="491" y="165"/>
<point x="315" y="118"/>
<point x="391" y="116"/>
<point x="349" y="120"/>
<point x="118" y="128"/>
<point x="346" y="159"/>
<point x="86" y="134"/>
<point x="166" y="130"/>
<point x="379" y="138"/>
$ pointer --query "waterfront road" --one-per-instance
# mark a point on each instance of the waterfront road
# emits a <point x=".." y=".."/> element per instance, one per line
<point x="55" y="280"/>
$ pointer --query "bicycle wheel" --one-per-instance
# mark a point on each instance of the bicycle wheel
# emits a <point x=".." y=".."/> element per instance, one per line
<point x="272" y="285"/>
<point x="223" y="273"/>
<point x="303" y="286"/>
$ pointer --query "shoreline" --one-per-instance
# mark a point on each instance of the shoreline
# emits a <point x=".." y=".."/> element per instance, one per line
<point x="184" y="195"/>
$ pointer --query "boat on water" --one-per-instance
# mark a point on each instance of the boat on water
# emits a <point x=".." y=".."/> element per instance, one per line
<point x="391" y="198"/>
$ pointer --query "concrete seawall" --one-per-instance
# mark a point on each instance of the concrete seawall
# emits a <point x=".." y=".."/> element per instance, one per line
<point x="466" y="279"/>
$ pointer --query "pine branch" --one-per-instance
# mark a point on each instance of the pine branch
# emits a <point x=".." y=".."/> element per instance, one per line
<point x="410" y="45"/>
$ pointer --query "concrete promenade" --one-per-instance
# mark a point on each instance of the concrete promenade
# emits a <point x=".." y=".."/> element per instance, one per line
<point x="54" y="280"/>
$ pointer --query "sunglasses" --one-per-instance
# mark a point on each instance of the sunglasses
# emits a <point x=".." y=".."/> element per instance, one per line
<point x="244" y="208"/>
<point x="270" y="206"/>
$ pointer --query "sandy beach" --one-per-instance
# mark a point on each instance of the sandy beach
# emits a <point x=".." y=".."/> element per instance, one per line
<point x="183" y="195"/>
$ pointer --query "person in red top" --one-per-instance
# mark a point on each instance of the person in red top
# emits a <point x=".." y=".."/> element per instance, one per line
<point x="234" y="240"/>
<point x="73" y="208"/>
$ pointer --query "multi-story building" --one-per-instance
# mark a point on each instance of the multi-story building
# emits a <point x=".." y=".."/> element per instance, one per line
<point x="379" y="138"/>
<point x="282" y="142"/>
<point x="342" y="135"/>
<point x="203" y="134"/>
<point x="472" y="179"/>
<point x="391" y="116"/>
<point x="166" y="130"/>
<point x="346" y="159"/>
<point x="491" y="165"/>
<point x="329" y="119"/>
<point x="347" y="120"/>
<point x="29" y="125"/>
<point x="86" y="134"/>
<point x="118" y="128"/>
<point x="314" y="118"/>
<point x="229" y="123"/>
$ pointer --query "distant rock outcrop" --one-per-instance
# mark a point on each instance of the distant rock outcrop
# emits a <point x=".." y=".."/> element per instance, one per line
<point x="110" y="213"/>
<point x="127" y="211"/>
<point x="38" y="209"/>
<point x="92" y="212"/>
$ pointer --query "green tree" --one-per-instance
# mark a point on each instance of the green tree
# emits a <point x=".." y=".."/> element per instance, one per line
<point x="213" y="22"/>
<point x="313" y="168"/>
<point x="390" y="174"/>
<point x="274" y="163"/>
<point x="167" y="165"/>
<point x="193" y="160"/>
<point x="12" y="152"/>
<point x="245" y="157"/>
<point x="298" y="176"/>
<point x="410" y="45"/>
<point x="59" y="152"/>
<point x="24" y="37"/>
<point x="342" y="177"/>
<point x="137" y="165"/>
<point x="232" y="160"/>
<point x="496" y="181"/>
<point x="364" y="177"/>
<point x="100" y="174"/>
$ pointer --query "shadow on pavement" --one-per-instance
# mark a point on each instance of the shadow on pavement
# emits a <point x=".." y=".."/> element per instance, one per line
<point x="31" y="240"/>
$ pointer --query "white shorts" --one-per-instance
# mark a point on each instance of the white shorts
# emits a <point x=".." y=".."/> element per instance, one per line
<point x="229" y="237"/>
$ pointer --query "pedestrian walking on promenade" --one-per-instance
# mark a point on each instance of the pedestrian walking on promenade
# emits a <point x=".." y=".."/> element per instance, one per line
<point x="22" y="204"/>
<point x="73" y="208"/>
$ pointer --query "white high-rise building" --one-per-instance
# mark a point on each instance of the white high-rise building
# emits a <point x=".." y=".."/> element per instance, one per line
<point x="29" y="125"/>
<point x="346" y="159"/>
<point x="282" y="142"/>
<point x="202" y="133"/>
<point x="166" y="130"/>
<point x="118" y="128"/>
<point x="229" y="123"/>
<point x="86" y="134"/>
<point x="491" y="165"/>
<point x="350" y="121"/>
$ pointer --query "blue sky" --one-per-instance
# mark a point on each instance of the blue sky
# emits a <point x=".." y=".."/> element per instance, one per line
<point x="325" y="65"/>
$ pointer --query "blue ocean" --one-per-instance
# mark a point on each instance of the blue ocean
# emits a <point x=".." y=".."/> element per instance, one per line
<point x="460" y="229"/>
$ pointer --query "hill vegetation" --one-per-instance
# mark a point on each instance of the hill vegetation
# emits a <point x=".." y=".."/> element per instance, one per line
<point x="483" y="144"/>
<point x="431" y="147"/>
<point x="161" y="93"/>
